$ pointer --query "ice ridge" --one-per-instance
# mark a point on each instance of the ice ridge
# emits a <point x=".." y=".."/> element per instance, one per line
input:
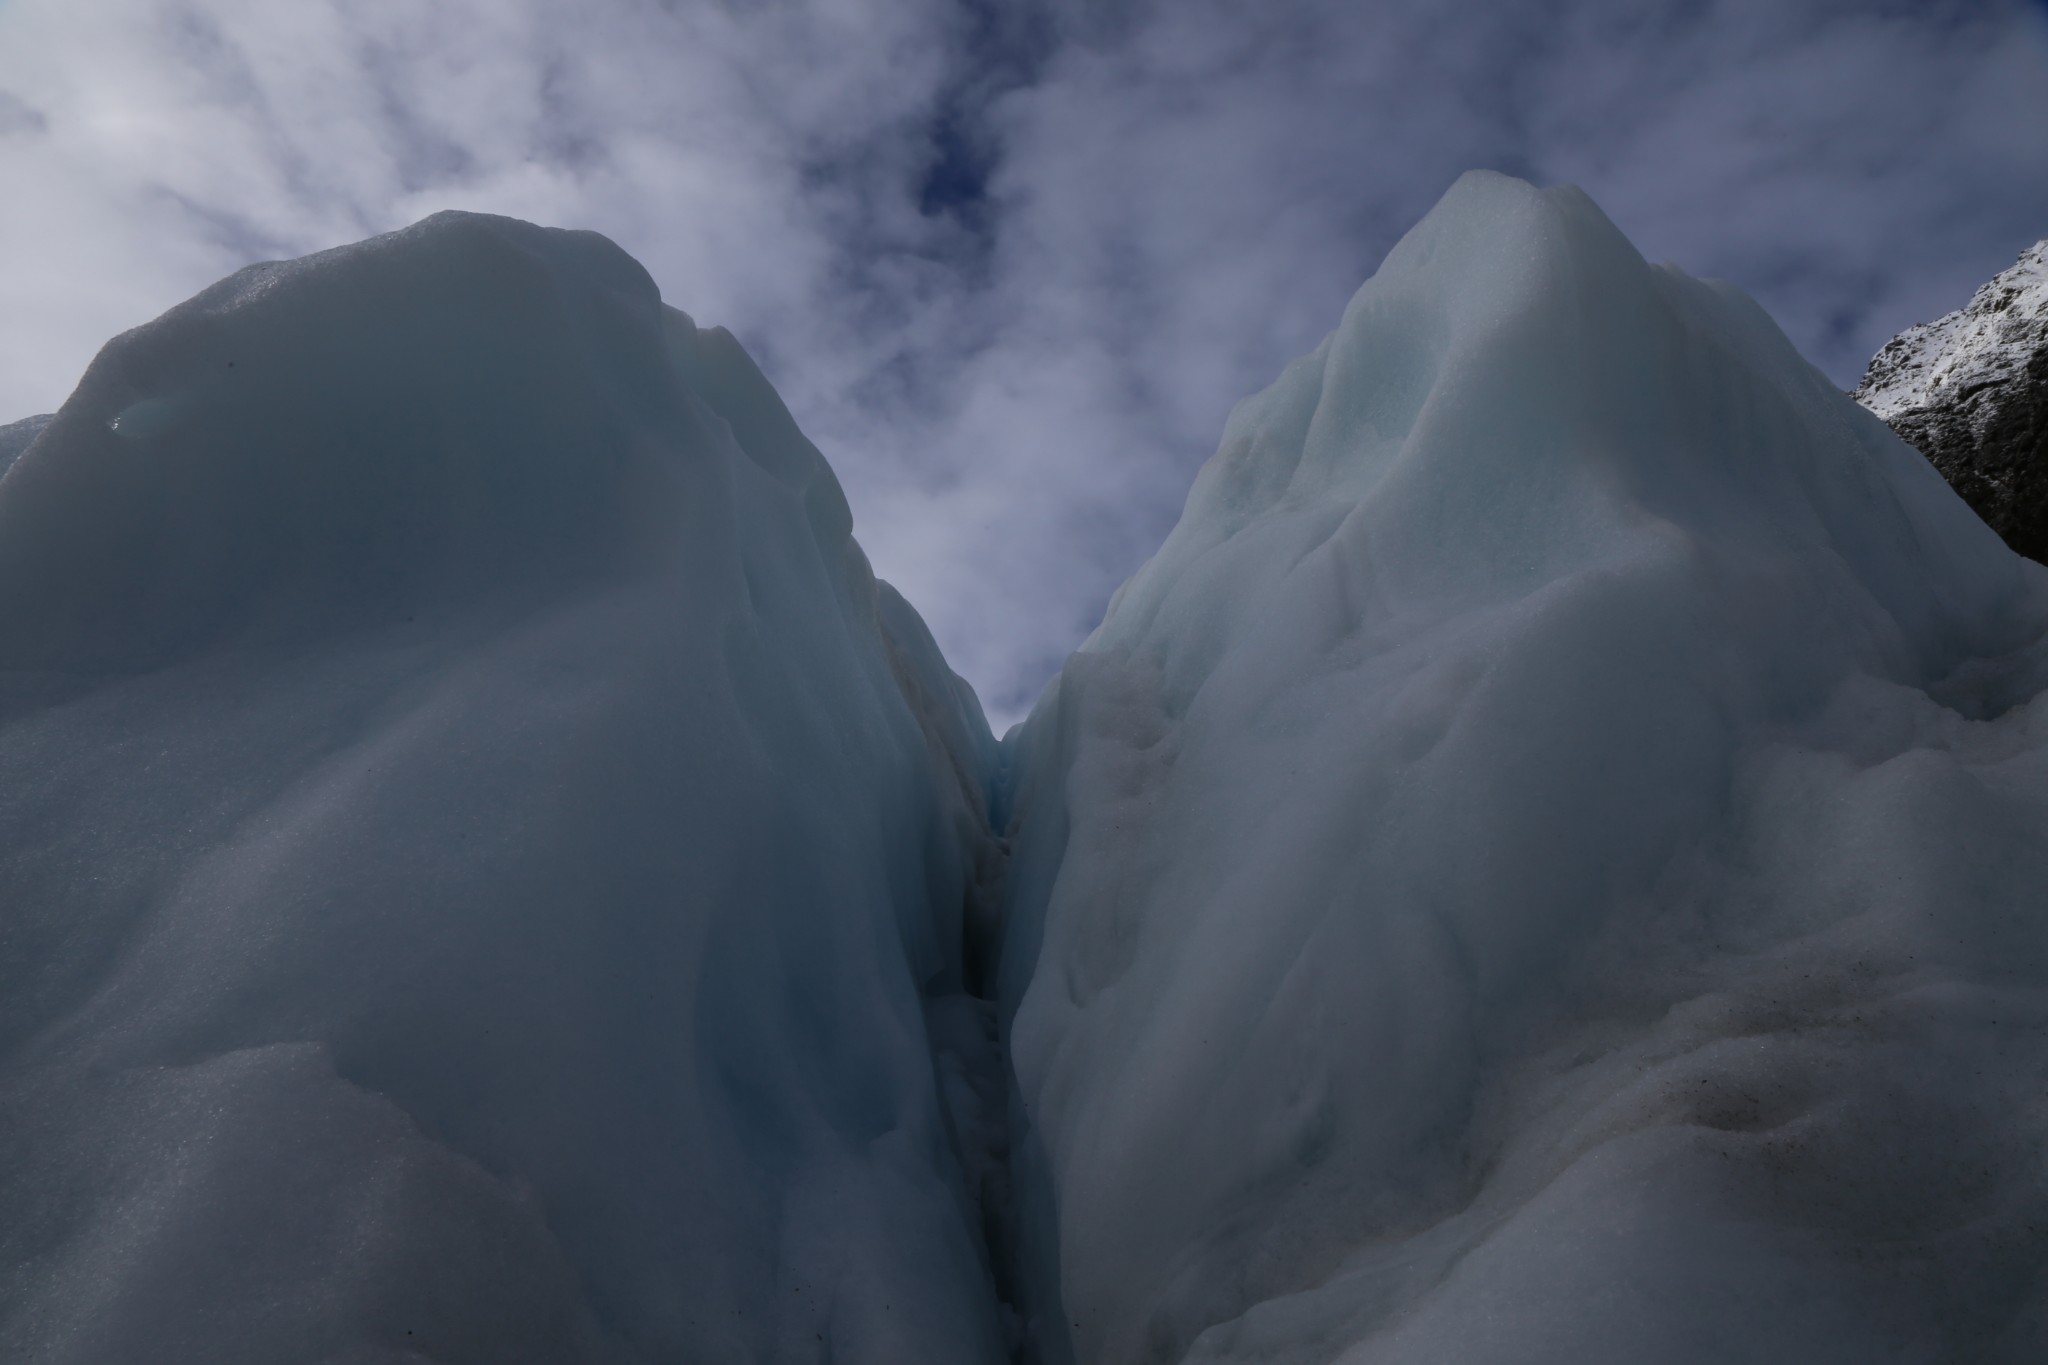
<point x="1543" y="864"/>
<point x="482" y="858"/>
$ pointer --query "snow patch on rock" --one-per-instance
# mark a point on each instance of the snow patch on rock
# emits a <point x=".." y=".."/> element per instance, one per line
<point x="1971" y="392"/>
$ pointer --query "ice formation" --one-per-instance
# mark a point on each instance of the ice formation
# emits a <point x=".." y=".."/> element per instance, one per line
<point x="480" y="849"/>
<point x="1543" y="866"/>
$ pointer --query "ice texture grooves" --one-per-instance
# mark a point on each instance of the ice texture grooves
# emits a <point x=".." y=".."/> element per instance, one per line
<point x="1545" y="866"/>
<point x="479" y="851"/>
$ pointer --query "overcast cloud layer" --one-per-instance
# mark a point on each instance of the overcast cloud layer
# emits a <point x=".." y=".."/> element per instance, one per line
<point x="1011" y="264"/>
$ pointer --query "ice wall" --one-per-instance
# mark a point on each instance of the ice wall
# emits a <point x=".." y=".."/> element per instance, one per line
<point x="1545" y="865"/>
<point x="482" y="862"/>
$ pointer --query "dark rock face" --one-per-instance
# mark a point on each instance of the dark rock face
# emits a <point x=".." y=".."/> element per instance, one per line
<point x="1971" y="392"/>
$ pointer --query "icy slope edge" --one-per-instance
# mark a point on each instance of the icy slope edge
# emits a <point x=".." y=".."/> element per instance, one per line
<point x="482" y="863"/>
<point x="1543" y="865"/>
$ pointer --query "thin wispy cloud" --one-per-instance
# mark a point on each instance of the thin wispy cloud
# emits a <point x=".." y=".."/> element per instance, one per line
<point x="1011" y="264"/>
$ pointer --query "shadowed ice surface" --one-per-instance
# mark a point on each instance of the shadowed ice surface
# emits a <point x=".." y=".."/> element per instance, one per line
<point x="1544" y="866"/>
<point x="479" y="845"/>
<point x="1547" y="863"/>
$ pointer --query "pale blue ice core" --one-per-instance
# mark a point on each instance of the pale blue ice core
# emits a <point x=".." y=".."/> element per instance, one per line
<point x="1542" y="867"/>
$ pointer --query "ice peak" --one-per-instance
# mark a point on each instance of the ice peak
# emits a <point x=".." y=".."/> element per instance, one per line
<point x="480" y="840"/>
<point x="1516" y="396"/>
<point x="1438" y="889"/>
<point x="468" y="409"/>
<point x="1498" y="270"/>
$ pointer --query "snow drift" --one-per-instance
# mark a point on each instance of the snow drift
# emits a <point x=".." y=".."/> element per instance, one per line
<point x="480" y="849"/>
<point x="1546" y="864"/>
<point x="1543" y="866"/>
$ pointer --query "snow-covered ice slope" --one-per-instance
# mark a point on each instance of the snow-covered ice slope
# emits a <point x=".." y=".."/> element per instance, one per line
<point x="1549" y="863"/>
<point x="478" y="849"/>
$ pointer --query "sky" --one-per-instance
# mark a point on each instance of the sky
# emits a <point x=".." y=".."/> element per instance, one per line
<point x="1011" y="264"/>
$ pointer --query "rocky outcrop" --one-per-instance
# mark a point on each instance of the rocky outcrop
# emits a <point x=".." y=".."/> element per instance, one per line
<point x="1971" y="392"/>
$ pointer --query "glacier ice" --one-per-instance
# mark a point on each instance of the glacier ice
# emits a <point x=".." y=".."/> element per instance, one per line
<point x="1543" y="866"/>
<point x="480" y="847"/>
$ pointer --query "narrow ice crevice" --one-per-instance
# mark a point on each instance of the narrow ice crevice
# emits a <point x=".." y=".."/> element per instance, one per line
<point x="1547" y="849"/>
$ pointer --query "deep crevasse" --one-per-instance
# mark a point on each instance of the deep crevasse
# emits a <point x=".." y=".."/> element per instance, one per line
<point x="1542" y="866"/>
